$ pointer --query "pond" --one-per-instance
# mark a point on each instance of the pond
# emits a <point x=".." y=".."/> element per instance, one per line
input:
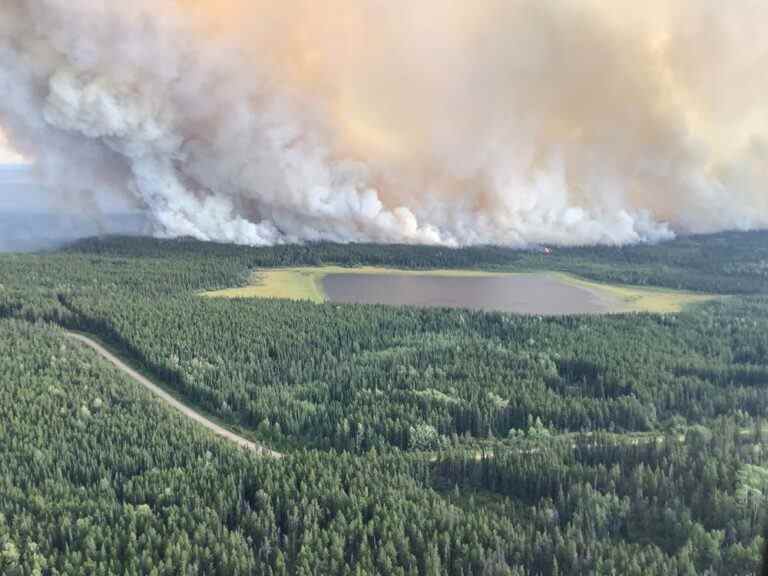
<point x="538" y="294"/>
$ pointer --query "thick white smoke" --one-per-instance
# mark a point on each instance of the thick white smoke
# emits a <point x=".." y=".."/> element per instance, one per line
<point x="438" y="121"/>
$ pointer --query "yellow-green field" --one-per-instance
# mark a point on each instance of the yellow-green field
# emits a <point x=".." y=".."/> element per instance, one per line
<point x="287" y="283"/>
<point x="306" y="284"/>
<point x="636" y="299"/>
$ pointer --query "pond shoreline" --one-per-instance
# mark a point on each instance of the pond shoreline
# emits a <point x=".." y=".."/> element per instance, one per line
<point x="308" y="283"/>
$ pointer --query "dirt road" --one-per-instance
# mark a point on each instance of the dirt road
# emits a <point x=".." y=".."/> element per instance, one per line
<point x="168" y="399"/>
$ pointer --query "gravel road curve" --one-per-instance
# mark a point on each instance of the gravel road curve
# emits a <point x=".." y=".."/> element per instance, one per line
<point x="168" y="399"/>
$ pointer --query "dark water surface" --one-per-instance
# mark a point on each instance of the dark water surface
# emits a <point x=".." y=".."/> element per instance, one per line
<point x="528" y="294"/>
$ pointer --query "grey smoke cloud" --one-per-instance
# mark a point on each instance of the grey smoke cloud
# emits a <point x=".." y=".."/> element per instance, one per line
<point x="439" y="121"/>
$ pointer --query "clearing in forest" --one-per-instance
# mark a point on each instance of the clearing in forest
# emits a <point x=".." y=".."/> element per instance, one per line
<point x="538" y="293"/>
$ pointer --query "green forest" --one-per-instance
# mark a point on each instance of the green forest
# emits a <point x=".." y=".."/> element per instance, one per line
<point x="415" y="441"/>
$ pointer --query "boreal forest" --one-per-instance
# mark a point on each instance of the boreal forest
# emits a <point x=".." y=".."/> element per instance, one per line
<point x="411" y="441"/>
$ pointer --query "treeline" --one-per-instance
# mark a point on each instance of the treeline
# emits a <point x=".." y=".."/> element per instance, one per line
<point x="725" y="263"/>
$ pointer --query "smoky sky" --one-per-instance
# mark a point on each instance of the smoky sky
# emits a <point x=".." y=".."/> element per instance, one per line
<point x="439" y="121"/>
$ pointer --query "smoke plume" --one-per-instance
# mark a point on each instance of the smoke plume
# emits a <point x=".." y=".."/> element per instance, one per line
<point x="437" y="121"/>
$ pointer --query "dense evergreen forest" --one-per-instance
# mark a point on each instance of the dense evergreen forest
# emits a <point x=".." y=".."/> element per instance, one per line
<point x="417" y="441"/>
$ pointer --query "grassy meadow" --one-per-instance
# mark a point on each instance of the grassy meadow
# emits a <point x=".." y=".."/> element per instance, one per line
<point x="306" y="283"/>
